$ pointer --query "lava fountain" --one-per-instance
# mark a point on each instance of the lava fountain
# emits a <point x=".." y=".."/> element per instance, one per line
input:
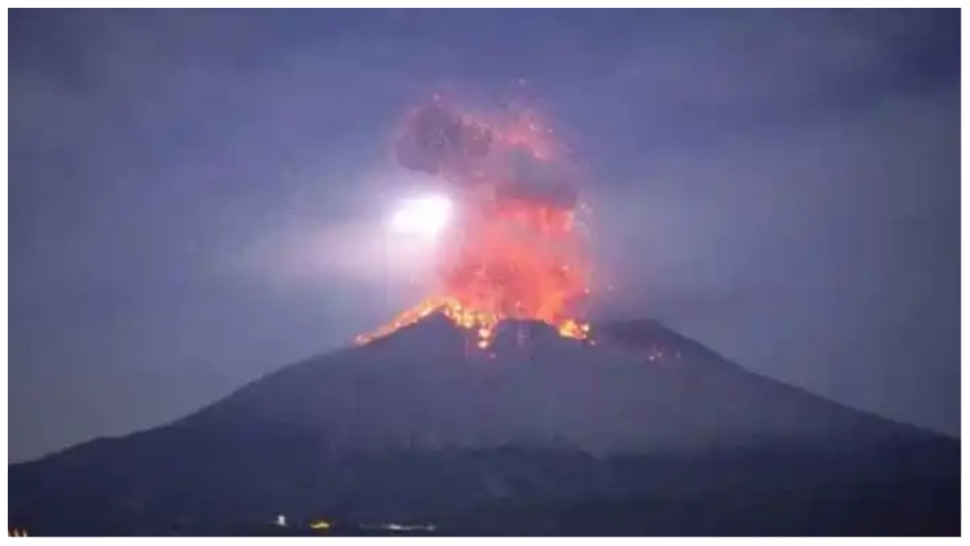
<point x="516" y="247"/>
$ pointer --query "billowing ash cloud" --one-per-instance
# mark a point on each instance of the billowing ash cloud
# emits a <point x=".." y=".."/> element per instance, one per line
<point x="469" y="153"/>
<point x="439" y="141"/>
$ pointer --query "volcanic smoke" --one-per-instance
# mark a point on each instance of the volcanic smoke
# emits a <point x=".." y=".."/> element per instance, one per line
<point x="516" y="249"/>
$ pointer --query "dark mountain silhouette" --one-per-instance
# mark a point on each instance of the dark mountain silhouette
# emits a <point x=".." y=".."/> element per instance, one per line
<point x="643" y="432"/>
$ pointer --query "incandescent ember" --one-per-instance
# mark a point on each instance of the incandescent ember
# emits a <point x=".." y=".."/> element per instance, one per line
<point x="516" y="248"/>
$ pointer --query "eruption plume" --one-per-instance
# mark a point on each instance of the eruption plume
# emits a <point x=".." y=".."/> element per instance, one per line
<point x="517" y="249"/>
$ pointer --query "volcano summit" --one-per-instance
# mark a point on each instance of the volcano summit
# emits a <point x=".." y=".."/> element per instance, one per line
<point x="645" y="432"/>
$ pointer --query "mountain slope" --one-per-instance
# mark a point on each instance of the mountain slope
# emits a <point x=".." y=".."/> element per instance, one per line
<point x="418" y="425"/>
<point x="423" y="388"/>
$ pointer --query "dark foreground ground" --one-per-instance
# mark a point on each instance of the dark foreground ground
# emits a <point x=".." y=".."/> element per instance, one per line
<point x="907" y="488"/>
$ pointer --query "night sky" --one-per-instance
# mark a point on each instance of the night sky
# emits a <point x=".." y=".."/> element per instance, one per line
<point x="196" y="197"/>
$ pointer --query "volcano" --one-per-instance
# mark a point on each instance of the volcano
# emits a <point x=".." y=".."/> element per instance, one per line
<point x="638" y="432"/>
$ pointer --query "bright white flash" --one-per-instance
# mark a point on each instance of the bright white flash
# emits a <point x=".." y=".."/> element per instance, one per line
<point x="426" y="215"/>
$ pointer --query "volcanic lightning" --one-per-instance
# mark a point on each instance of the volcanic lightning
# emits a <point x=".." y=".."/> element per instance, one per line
<point x="425" y="216"/>
<point x="516" y="248"/>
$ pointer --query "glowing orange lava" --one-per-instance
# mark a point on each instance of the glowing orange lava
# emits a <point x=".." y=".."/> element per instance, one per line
<point x="516" y="249"/>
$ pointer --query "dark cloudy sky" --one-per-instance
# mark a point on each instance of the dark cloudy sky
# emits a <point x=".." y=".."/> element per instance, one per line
<point x="192" y="194"/>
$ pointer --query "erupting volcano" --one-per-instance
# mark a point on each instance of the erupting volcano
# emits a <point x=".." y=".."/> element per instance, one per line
<point x="516" y="248"/>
